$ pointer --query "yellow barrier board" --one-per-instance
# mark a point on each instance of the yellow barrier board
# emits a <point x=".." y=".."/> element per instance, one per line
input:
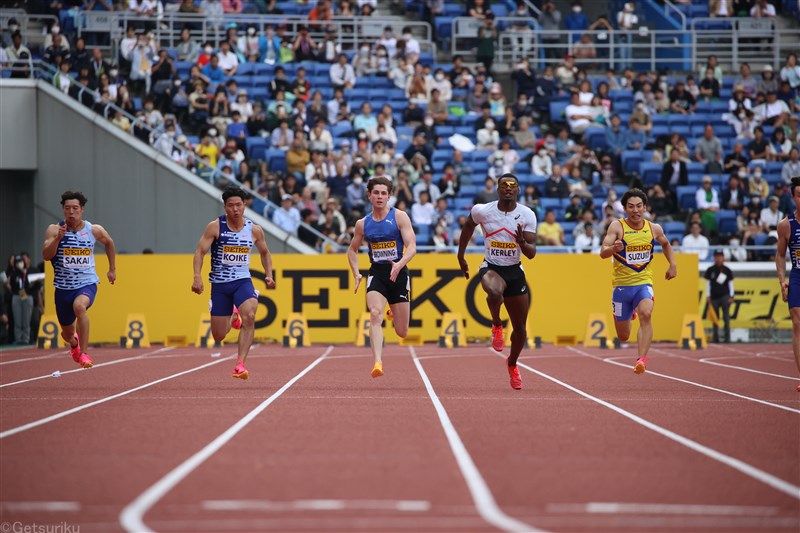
<point x="757" y="304"/>
<point x="135" y="332"/>
<point x="565" y="289"/>
<point x="693" y="336"/>
<point x="600" y="332"/>
<point x="451" y="333"/>
<point x="204" y="337"/>
<point x="297" y="333"/>
<point x="510" y="329"/>
<point x="362" y="330"/>
<point x="50" y="333"/>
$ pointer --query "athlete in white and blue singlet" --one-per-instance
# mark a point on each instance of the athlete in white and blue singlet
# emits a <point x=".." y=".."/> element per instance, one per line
<point x="789" y="237"/>
<point x="509" y="231"/>
<point x="391" y="244"/>
<point x="70" y="246"/>
<point x="234" y="300"/>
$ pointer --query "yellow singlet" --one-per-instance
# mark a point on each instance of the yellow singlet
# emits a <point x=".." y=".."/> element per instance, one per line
<point x="631" y="265"/>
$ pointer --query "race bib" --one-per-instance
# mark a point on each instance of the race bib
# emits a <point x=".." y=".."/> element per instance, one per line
<point x="77" y="258"/>
<point x="638" y="254"/>
<point x="235" y="255"/>
<point x="502" y="249"/>
<point x="384" y="251"/>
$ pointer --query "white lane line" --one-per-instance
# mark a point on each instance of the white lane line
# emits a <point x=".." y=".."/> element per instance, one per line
<point x="51" y="507"/>
<point x="115" y="361"/>
<point x="611" y="360"/>
<point x="79" y="408"/>
<point x="38" y="357"/>
<point x="317" y="505"/>
<point x="710" y="361"/>
<point x="132" y="516"/>
<point x="484" y="500"/>
<point x="738" y="465"/>
<point x="661" y="509"/>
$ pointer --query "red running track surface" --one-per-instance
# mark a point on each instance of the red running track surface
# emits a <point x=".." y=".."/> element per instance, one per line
<point x="691" y="445"/>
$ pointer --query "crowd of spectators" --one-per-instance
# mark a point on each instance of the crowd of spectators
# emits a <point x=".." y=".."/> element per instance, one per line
<point x="307" y="135"/>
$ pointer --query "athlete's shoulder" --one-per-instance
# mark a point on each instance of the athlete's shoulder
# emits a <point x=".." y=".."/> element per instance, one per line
<point x="479" y="210"/>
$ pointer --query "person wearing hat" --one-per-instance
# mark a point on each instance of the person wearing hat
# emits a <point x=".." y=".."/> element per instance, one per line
<point x="773" y="112"/>
<point x="771" y="215"/>
<point x="789" y="238"/>
<point x="767" y="83"/>
<point x="719" y="294"/>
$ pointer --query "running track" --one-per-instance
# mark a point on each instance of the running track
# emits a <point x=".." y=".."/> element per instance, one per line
<point x="165" y="440"/>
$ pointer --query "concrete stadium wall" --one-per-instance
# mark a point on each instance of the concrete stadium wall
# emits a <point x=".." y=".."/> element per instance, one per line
<point x="143" y="198"/>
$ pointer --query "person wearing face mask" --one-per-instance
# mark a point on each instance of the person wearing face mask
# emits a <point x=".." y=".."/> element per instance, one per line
<point x="488" y="137"/>
<point x="626" y="21"/>
<point x="576" y="21"/>
<point x="21" y="289"/>
<point x="411" y="48"/>
<point x="389" y="41"/>
<point x="758" y="187"/>
<point x="442" y="84"/>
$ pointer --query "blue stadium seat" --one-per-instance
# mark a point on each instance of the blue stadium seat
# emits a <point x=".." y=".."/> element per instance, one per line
<point x="726" y="222"/>
<point x="686" y="197"/>
<point x="650" y="173"/>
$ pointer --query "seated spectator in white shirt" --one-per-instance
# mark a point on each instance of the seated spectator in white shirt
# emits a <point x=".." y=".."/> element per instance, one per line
<point x="695" y="242"/>
<point x="342" y="74"/>
<point x="423" y="212"/>
<point x="771" y="215"/>
<point x="228" y="61"/>
<point x="587" y="241"/>
<point x="287" y="217"/>
<point x="578" y="116"/>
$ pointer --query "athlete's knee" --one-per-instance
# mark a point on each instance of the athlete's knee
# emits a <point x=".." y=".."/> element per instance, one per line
<point x="519" y="333"/>
<point x="401" y="330"/>
<point x="645" y="315"/>
<point x="219" y="336"/>
<point x="79" y="308"/>
<point x="493" y="294"/>
<point x="376" y="314"/>
<point x="248" y="318"/>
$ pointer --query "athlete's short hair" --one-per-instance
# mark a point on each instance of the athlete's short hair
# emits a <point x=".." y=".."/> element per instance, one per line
<point x="231" y="191"/>
<point x="507" y="176"/>
<point x="795" y="183"/>
<point x="633" y="193"/>
<point x="73" y="195"/>
<point x="380" y="180"/>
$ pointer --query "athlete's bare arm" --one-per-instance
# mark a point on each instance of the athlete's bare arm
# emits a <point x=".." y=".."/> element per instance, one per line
<point x="526" y="241"/>
<point x="211" y="233"/>
<point x="352" y="251"/>
<point x="666" y="247"/>
<point x="102" y="236"/>
<point x="409" y="243"/>
<point x="266" y="258"/>
<point x="612" y="242"/>
<point x="784" y="232"/>
<point x="53" y="235"/>
<point x="466" y="234"/>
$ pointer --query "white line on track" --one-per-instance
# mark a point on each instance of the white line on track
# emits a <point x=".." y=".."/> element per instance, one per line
<point x="611" y="360"/>
<point x="662" y="509"/>
<point x="738" y="465"/>
<point x="710" y="361"/>
<point x="317" y="505"/>
<point x="36" y="358"/>
<point x="51" y="507"/>
<point x="485" y="503"/>
<point x="115" y="361"/>
<point x="79" y="408"/>
<point x="132" y="516"/>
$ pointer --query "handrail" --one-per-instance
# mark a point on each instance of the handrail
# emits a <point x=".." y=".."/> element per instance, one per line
<point x="669" y="6"/>
<point x="42" y="70"/>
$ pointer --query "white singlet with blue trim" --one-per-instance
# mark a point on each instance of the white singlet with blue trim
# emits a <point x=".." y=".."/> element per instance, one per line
<point x="73" y="264"/>
<point x="230" y="253"/>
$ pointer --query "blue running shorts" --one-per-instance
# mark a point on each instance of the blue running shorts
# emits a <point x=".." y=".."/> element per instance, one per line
<point x="624" y="300"/>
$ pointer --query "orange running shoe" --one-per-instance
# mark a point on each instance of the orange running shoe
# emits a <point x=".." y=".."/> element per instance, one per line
<point x="389" y="314"/>
<point x="240" y="371"/>
<point x="640" y="367"/>
<point x="798" y="388"/>
<point x="76" y="351"/>
<point x="497" y="338"/>
<point x="237" y="322"/>
<point x="377" y="370"/>
<point x="516" y="379"/>
<point x="85" y="361"/>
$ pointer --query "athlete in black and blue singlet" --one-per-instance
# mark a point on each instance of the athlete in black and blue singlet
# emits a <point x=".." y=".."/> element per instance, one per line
<point x="231" y="238"/>
<point x="789" y="238"/>
<point x="391" y="244"/>
<point x="69" y="245"/>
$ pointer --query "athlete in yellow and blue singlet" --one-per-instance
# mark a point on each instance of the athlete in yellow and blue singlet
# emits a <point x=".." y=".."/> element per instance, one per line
<point x="631" y="242"/>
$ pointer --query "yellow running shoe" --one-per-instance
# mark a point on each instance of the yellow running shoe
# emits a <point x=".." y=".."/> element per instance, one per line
<point x="377" y="370"/>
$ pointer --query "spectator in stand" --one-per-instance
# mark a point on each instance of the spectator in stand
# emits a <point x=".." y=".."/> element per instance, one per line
<point x="785" y="202"/>
<point x="720" y="8"/>
<point x="739" y="102"/>
<point x="355" y="200"/>
<point x="487" y="39"/>
<point x="791" y="168"/>
<point x="762" y="9"/>
<point x="576" y="21"/>
<point x="423" y="213"/>
<point x="338" y="108"/>
<point x="525" y="78"/>
<point x="767" y="83"/>
<point x="297" y="158"/>
<point x="709" y="151"/>
<point x="780" y="147"/>
<point x="788" y="96"/>
<point x="487" y="137"/>
<point x="187" y="48"/>
<point x="627" y="21"/>
<point x="709" y="87"/>
<point x="735" y="194"/>
<point x="636" y="138"/>
<point x="524" y="137"/>
<point x="749" y="83"/>
<point x="342" y="74"/>
<point x="759" y="147"/>
<point x="771" y="215"/>
<point x="772" y="112"/>
<point x="550" y="232"/>
<point x="696" y="243"/>
<point x="550" y="21"/>
<point x="682" y="102"/>
<point x="566" y="72"/>
<point x="758" y="187"/>
<point x="450" y="183"/>
<point x="587" y="241"/>
<point x="735" y="160"/>
<point x="745" y="125"/>
<point x="437" y="108"/>
<point x="584" y="52"/>
<point x="541" y="163"/>
<point x="287" y="217"/>
<point x="791" y="72"/>
<point x="401" y="73"/>
<point x="674" y="173"/>
<point x="713" y="63"/>
<point x="707" y="200"/>
<point x="304" y="46"/>
<point x="488" y="193"/>
<point x="579" y="117"/>
<point x="556" y="186"/>
<point x="442" y="84"/>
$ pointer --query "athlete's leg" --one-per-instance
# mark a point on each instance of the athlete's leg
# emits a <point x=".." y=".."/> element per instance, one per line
<point x="400" y="316"/>
<point x="221" y="310"/>
<point x="495" y="286"/>
<point x="376" y="303"/>
<point x="220" y="326"/>
<point x="68" y="334"/>
<point x="645" y="336"/>
<point x="517" y="307"/>
<point x="623" y="328"/>
<point x="79" y="307"/>
<point x="247" y="312"/>
<point x="794" y="312"/>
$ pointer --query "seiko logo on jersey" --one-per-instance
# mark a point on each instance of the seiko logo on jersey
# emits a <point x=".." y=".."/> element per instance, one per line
<point x="502" y="249"/>
<point x="638" y="253"/>
<point x="235" y="255"/>
<point x="382" y="251"/>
